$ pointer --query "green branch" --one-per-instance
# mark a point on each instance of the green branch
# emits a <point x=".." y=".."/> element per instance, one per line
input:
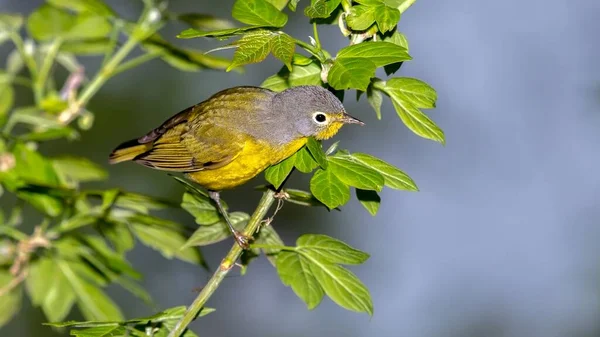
<point x="106" y="72"/>
<point x="228" y="262"/>
<point x="40" y="81"/>
<point x="25" y="54"/>
<point x="278" y="247"/>
<point x="134" y="62"/>
<point x="311" y="49"/>
<point x="404" y="6"/>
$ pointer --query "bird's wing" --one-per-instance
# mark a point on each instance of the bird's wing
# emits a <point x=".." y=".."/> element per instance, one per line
<point x="182" y="145"/>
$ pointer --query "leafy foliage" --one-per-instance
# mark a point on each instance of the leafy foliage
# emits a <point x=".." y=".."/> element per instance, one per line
<point x="311" y="269"/>
<point x="159" y="324"/>
<point x="79" y="247"/>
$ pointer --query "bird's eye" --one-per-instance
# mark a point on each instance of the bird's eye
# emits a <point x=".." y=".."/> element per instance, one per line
<point x="320" y="117"/>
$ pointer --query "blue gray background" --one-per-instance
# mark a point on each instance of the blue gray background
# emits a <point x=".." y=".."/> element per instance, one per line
<point x="501" y="239"/>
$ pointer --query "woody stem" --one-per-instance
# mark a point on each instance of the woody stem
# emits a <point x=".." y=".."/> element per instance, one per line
<point x="226" y="264"/>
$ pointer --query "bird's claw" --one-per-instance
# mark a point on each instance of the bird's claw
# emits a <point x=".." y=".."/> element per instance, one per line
<point x="242" y="239"/>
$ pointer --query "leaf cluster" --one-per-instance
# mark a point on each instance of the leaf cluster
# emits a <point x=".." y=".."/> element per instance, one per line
<point x="81" y="241"/>
<point x="81" y="235"/>
<point x="375" y="42"/>
<point x="157" y="325"/>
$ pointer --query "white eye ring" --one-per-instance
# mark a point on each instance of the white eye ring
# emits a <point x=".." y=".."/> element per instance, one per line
<point x="320" y="118"/>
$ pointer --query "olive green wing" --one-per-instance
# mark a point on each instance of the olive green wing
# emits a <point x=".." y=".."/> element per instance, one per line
<point x="206" y="136"/>
<point x="191" y="144"/>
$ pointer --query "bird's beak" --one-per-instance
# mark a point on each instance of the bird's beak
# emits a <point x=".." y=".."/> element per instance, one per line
<point x="347" y="119"/>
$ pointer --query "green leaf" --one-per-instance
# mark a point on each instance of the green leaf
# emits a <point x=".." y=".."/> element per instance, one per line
<point x="119" y="236"/>
<point x="33" y="169"/>
<point x="78" y="169"/>
<point x="10" y="22"/>
<point x="293" y="4"/>
<point x="321" y="8"/>
<point x="329" y="189"/>
<point x="408" y="95"/>
<point x="109" y="197"/>
<point x="50" y="134"/>
<point x="48" y="22"/>
<point x="295" y="272"/>
<point x="7" y="230"/>
<point x="196" y="191"/>
<point x="397" y="38"/>
<point x="183" y="59"/>
<point x="53" y="103"/>
<point x="110" y="259"/>
<point x="401" y="5"/>
<point x="205" y="21"/>
<point x="316" y="150"/>
<point x="92" y="302"/>
<point x="258" y="12"/>
<point x="88" y="26"/>
<point x="342" y="286"/>
<point x="49" y="288"/>
<point x="10" y="303"/>
<point x="387" y="18"/>
<point x="206" y="235"/>
<point x="313" y="270"/>
<point x="192" y="33"/>
<point x="97" y="7"/>
<point x="14" y="62"/>
<point x="283" y="48"/>
<point x="305" y="162"/>
<point x="375" y="98"/>
<point x="355" y="65"/>
<point x="394" y="177"/>
<point x="169" y="314"/>
<point x="302" y="198"/>
<point x="356" y="175"/>
<point x="268" y="236"/>
<point x="135" y="289"/>
<point x="101" y="331"/>
<point x="279" y="4"/>
<point x="7" y="96"/>
<point x="362" y="17"/>
<point x="141" y="203"/>
<point x="165" y="240"/>
<point x="369" y="199"/>
<point x="251" y="48"/>
<point x="276" y="174"/>
<point x="36" y="283"/>
<point x="299" y="75"/>
<point x="201" y="208"/>
<point x="328" y="249"/>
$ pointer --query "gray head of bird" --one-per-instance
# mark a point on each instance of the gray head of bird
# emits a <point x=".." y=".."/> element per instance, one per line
<point x="313" y="111"/>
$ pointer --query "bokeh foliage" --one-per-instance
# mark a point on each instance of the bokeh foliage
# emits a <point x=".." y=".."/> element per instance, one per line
<point x="79" y="241"/>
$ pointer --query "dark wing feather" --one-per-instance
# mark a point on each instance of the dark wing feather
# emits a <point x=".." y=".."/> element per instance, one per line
<point x="206" y="136"/>
<point x="190" y="144"/>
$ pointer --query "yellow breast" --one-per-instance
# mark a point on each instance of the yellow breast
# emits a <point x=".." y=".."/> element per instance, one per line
<point x="253" y="159"/>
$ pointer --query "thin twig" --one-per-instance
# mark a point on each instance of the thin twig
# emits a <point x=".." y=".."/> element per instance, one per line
<point x="226" y="264"/>
<point x="19" y="268"/>
<point x="14" y="283"/>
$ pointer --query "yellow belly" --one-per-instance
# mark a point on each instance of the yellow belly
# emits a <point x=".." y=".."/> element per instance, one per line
<point x="254" y="158"/>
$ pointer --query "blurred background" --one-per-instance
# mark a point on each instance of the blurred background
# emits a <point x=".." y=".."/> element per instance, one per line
<point x="501" y="239"/>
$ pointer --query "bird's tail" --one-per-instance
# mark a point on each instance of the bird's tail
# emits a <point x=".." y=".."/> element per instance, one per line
<point x="129" y="151"/>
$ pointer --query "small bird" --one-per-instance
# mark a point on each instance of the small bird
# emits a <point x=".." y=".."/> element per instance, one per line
<point x="234" y="135"/>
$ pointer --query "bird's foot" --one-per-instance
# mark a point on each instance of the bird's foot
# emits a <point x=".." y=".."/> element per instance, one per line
<point x="242" y="239"/>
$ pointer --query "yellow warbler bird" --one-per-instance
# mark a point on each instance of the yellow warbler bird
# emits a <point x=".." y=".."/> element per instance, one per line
<point x="234" y="135"/>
